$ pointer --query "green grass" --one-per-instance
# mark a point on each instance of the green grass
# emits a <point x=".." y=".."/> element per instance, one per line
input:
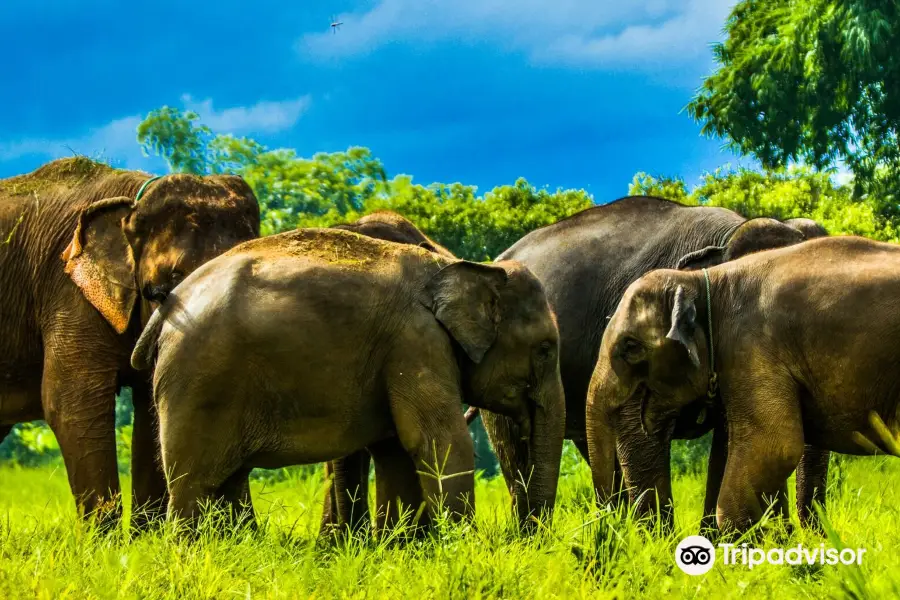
<point x="45" y="551"/>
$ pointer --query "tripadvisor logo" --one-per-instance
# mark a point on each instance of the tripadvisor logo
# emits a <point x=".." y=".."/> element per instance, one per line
<point x="695" y="555"/>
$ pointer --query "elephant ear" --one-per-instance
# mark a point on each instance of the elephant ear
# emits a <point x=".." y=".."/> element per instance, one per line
<point x="703" y="258"/>
<point x="100" y="261"/>
<point x="464" y="296"/>
<point x="684" y="317"/>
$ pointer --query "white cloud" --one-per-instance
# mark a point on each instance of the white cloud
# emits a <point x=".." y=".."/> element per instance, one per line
<point x="262" y="117"/>
<point x="117" y="140"/>
<point x="582" y="33"/>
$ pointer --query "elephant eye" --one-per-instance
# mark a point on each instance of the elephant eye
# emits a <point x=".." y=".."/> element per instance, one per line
<point x="630" y="350"/>
<point x="545" y="350"/>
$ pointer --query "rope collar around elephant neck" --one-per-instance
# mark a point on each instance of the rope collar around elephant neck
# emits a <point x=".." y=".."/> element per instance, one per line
<point x="144" y="187"/>
<point x="713" y="388"/>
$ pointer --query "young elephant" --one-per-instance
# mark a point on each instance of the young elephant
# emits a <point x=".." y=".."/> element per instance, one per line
<point x="347" y="498"/>
<point x="310" y="345"/>
<point x="790" y="334"/>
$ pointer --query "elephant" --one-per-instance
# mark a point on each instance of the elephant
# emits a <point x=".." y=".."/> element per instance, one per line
<point x="347" y="498"/>
<point x="586" y="262"/>
<point x="86" y="253"/>
<point x="310" y="345"/>
<point x="790" y="335"/>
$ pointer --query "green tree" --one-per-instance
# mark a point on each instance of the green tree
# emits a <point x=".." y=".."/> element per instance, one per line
<point x="780" y="194"/>
<point x="178" y="138"/>
<point x="670" y="188"/>
<point x="814" y="82"/>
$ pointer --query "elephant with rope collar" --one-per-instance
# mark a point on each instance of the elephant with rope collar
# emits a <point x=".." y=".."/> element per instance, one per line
<point x="86" y="254"/>
<point x="791" y="338"/>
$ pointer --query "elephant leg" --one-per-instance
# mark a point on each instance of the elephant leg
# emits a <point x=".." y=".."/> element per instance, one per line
<point x="765" y="444"/>
<point x="582" y="446"/>
<point x="236" y="499"/>
<point x="79" y="406"/>
<point x="347" y="500"/>
<point x="398" y="491"/>
<point x="149" y="495"/>
<point x="715" y="471"/>
<point x="812" y="479"/>
<point x="200" y="455"/>
<point x="425" y="406"/>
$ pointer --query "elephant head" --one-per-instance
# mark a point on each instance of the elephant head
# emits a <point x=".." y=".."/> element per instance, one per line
<point x="145" y="243"/>
<point x="652" y="367"/>
<point x="753" y="235"/>
<point x="507" y="336"/>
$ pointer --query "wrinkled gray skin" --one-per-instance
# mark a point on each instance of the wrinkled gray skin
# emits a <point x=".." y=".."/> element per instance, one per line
<point x="801" y="338"/>
<point x="311" y="345"/>
<point x="587" y="261"/>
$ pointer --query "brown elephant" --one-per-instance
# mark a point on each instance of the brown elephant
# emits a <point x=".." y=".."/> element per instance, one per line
<point x="85" y="252"/>
<point x="790" y="334"/>
<point x="311" y="345"/>
<point x="347" y="498"/>
<point x="587" y="261"/>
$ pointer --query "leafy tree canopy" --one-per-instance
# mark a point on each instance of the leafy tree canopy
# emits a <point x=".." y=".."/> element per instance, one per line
<point x="782" y="194"/>
<point x="337" y="187"/>
<point x="813" y="82"/>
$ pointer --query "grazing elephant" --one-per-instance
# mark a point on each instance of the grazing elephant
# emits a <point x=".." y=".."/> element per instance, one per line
<point x="311" y="345"/>
<point x="85" y="253"/>
<point x="801" y="340"/>
<point x="586" y="262"/>
<point x="347" y="498"/>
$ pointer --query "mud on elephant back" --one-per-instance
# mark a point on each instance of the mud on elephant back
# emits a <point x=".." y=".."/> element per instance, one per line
<point x="391" y="340"/>
<point x="87" y="252"/>
<point x="796" y="365"/>
<point x="587" y="261"/>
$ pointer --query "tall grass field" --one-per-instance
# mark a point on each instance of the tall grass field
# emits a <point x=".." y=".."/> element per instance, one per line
<point x="46" y="552"/>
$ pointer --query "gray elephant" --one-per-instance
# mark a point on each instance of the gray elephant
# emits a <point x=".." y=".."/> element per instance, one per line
<point x="796" y="338"/>
<point x="86" y="253"/>
<point x="587" y="261"/>
<point x="311" y="345"/>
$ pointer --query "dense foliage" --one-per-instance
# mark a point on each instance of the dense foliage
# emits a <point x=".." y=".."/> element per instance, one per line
<point x="811" y="81"/>
<point x="337" y="187"/>
<point x="781" y="194"/>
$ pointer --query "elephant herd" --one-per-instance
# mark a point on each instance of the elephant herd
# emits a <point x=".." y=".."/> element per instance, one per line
<point x="620" y="328"/>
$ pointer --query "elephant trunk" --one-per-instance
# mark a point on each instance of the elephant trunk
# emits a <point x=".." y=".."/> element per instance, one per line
<point x="530" y="464"/>
<point x="646" y="469"/>
<point x="602" y="456"/>
<point x="548" y="432"/>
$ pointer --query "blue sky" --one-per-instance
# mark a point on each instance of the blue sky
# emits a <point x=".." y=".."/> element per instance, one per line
<point x="566" y="93"/>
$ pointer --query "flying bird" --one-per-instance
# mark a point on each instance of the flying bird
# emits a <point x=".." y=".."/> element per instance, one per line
<point x="335" y="24"/>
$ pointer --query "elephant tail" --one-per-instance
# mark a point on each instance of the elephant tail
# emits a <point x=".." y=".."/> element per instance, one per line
<point x="145" y="349"/>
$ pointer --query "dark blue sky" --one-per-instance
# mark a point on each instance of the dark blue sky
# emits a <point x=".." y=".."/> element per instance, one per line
<point x="568" y="93"/>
